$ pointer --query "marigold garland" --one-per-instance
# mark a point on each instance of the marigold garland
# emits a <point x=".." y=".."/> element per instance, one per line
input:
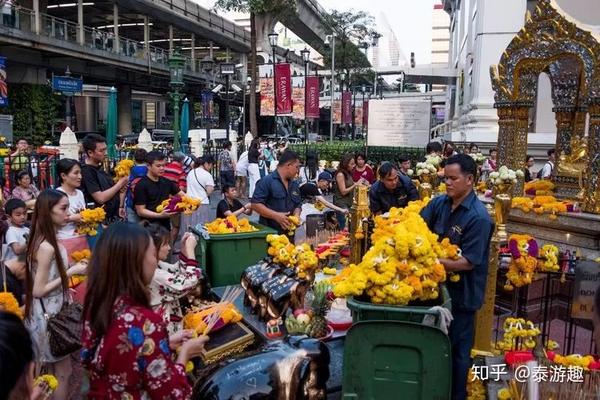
<point x="403" y="263"/>
<point x="549" y="262"/>
<point x="230" y="224"/>
<point x="541" y="205"/>
<point x="78" y="256"/>
<point x="9" y="304"/>
<point x="50" y="380"/>
<point x="518" y="328"/>
<point x="475" y="387"/>
<point x="524" y="252"/>
<point x="574" y="360"/>
<point x="179" y="204"/>
<point x="90" y="219"/>
<point x="123" y="169"/>
<point x="301" y="257"/>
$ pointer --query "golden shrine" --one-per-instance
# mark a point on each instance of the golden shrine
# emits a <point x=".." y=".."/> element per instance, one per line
<point x="549" y="43"/>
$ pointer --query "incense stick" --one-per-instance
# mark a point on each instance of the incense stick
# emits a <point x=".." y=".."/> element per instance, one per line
<point x="229" y="296"/>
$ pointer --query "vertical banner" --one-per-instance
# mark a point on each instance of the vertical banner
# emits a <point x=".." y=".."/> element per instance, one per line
<point x="3" y="85"/>
<point x="283" y="88"/>
<point x="346" y="107"/>
<point x="358" y="115"/>
<point x="207" y="104"/>
<point x="337" y="109"/>
<point x="267" y="94"/>
<point x="298" y="97"/>
<point x="312" y="97"/>
<point x="365" y="110"/>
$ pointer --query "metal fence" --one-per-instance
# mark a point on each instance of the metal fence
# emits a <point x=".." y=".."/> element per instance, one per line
<point x="375" y="155"/>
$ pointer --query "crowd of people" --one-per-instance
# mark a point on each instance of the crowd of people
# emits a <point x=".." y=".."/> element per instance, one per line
<point x="143" y="272"/>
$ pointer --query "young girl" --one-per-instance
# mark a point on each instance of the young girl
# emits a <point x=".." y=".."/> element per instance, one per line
<point x="46" y="280"/>
<point x="172" y="282"/>
<point x="126" y="348"/>
<point x="69" y="175"/>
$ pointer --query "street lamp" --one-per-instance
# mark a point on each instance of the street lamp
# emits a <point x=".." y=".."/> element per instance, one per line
<point x="273" y="42"/>
<point x="306" y="57"/>
<point x="176" y="64"/>
<point x="330" y="40"/>
<point x="227" y="69"/>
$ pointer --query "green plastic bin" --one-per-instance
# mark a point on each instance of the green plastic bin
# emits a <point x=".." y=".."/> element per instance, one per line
<point x="366" y="311"/>
<point x="385" y="360"/>
<point x="225" y="256"/>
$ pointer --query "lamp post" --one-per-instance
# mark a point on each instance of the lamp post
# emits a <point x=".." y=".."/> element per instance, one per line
<point x="342" y="81"/>
<point x="68" y="119"/>
<point x="227" y="69"/>
<point x="207" y="64"/>
<point x="273" y="42"/>
<point x="176" y="64"/>
<point x="306" y="57"/>
<point x="330" y="39"/>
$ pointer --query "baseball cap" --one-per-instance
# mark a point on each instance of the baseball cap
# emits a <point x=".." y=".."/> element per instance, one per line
<point x="325" y="176"/>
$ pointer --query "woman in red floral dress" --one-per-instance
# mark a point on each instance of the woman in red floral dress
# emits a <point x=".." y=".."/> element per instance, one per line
<point x="126" y="347"/>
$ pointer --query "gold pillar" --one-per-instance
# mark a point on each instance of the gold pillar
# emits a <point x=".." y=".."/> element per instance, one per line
<point x="484" y="318"/>
<point x="506" y="123"/>
<point x="516" y="159"/>
<point x="359" y="211"/>
<point x="592" y="183"/>
<point x="565" y="123"/>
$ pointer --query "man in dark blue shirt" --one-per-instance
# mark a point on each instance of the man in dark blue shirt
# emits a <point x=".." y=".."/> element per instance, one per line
<point x="277" y="195"/>
<point x="462" y="218"/>
<point x="391" y="190"/>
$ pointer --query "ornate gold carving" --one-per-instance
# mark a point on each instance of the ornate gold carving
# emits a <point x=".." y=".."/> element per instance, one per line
<point x="358" y="213"/>
<point x="571" y="57"/>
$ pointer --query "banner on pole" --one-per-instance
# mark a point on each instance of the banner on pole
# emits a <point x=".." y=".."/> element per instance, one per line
<point x="267" y="94"/>
<point x="206" y="98"/>
<point x="298" y="97"/>
<point x="283" y="88"/>
<point x="337" y="109"/>
<point x="3" y="84"/>
<point x="312" y="97"/>
<point x="358" y="115"/>
<point x="346" y="107"/>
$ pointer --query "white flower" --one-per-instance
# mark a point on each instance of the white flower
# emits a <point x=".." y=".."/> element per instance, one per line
<point x="128" y="317"/>
<point x="426" y="171"/>
<point x="494" y="175"/>
<point x="157" y="367"/>
<point x="419" y="172"/>
<point x="520" y="173"/>
<point x="410" y="172"/>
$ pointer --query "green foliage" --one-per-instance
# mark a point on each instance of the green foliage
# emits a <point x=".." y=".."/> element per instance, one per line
<point x="34" y="109"/>
<point x="334" y="151"/>
<point x="278" y="7"/>
<point x="351" y="28"/>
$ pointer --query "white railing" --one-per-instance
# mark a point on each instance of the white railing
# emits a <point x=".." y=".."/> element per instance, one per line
<point x="442" y="129"/>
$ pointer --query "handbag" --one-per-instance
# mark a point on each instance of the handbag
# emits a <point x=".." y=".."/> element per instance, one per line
<point x="64" y="328"/>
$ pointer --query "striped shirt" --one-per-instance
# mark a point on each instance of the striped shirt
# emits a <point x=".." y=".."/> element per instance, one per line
<point x="174" y="172"/>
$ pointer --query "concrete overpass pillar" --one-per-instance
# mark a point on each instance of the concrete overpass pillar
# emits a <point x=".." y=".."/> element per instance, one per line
<point x="170" y="39"/>
<point x="36" y="17"/>
<point x="124" y="108"/>
<point x="193" y="52"/>
<point x="117" y="47"/>
<point x="147" y="35"/>
<point x="80" y="33"/>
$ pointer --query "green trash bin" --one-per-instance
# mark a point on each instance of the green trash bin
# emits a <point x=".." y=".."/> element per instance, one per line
<point x="225" y="256"/>
<point x="386" y="360"/>
<point x="415" y="312"/>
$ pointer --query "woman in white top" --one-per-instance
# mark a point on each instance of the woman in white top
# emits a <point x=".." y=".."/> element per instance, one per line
<point x="200" y="185"/>
<point x="69" y="174"/>
<point x="310" y="171"/>
<point x="46" y="281"/>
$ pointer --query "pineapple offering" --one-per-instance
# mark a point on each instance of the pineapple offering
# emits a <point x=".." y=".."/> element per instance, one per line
<point x="231" y="224"/>
<point x="311" y="322"/>
<point x="403" y="263"/>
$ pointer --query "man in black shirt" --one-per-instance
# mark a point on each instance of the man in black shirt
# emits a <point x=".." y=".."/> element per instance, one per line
<point x="391" y="190"/>
<point x="153" y="189"/>
<point x="97" y="186"/>
<point x="230" y="205"/>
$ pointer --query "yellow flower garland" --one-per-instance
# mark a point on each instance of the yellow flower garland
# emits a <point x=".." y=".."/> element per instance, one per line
<point x="518" y="328"/>
<point x="90" y="218"/>
<point x="301" y="257"/>
<point x="123" y="169"/>
<point x="550" y="255"/>
<point x="9" y="304"/>
<point x="231" y="224"/>
<point x="403" y="263"/>
<point x="50" y="380"/>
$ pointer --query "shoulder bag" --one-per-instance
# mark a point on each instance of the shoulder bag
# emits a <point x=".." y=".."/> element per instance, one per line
<point x="64" y="328"/>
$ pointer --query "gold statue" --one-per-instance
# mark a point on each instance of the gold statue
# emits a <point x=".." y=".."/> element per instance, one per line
<point x="574" y="165"/>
